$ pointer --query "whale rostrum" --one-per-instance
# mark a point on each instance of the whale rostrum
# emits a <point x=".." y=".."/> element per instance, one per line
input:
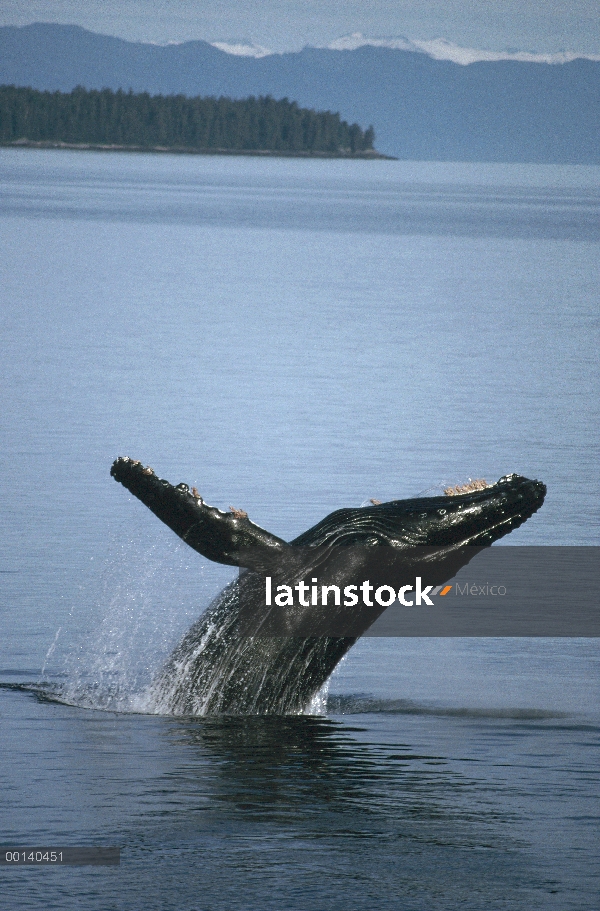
<point x="243" y="656"/>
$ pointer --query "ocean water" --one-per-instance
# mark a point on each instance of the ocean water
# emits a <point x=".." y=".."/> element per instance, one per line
<point x="291" y="337"/>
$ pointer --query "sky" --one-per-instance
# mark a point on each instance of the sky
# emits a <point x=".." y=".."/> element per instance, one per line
<point x="544" y="26"/>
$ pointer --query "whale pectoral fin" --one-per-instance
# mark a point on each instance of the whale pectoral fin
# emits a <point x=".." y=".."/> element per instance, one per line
<point x="225" y="537"/>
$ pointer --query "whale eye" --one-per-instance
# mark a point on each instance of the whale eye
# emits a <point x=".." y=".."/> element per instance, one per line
<point x="441" y="512"/>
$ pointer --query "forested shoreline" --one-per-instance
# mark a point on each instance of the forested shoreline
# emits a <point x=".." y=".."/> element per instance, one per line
<point x="121" y="120"/>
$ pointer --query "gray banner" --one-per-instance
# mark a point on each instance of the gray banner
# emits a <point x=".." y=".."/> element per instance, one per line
<point x="497" y="591"/>
<point x="56" y="857"/>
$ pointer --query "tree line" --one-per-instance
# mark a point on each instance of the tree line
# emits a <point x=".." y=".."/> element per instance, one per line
<point x="104" y="117"/>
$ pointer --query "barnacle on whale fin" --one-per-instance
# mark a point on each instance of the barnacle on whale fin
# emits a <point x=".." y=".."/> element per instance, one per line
<point x="238" y="513"/>
<point x="469" y="487"/>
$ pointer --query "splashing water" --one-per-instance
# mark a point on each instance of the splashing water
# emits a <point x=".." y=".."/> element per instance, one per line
<point x="318" y="704"/>
<point x="145" y="601"/>
<point x="49" y="654"/>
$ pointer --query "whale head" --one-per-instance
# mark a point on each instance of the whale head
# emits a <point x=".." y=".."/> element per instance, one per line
<point x="476" y="518"/>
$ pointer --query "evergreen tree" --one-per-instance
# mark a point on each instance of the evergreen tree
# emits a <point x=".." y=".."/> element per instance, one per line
<point x="196" y="124"/>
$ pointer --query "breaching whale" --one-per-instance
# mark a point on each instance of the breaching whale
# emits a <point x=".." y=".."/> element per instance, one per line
<point x="245" y="657"/>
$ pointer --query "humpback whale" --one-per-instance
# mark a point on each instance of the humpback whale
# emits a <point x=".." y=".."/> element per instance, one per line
<point x="245" y="657"/>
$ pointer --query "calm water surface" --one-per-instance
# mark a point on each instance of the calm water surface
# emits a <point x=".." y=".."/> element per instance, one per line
<point x="291" y="337"/>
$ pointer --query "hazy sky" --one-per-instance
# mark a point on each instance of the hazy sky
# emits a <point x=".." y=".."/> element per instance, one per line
<point x="539" y="25"/>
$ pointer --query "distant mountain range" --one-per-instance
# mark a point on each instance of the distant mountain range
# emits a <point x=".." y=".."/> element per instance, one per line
<point x="423" y="105"/>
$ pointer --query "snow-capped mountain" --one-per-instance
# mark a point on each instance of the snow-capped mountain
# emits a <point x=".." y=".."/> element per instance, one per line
<point x="440" y="49"/>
